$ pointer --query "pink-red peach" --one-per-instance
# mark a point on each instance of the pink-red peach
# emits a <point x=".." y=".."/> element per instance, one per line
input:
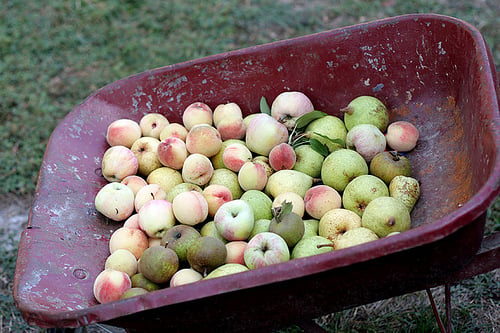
<point x="110" y="285"/>
<point x="203" y="139"/>
<point x="134" y="240"/>
<point x="282" y="156"/>
<point x="123" y="132"/>
<point x="197" y="113"/>
<point x="320" y="199"/>
<point x="402" y="136"/>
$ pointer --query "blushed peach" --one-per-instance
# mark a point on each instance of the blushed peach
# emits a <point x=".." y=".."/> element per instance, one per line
<point x="110" y="285"/>
<point x="190" y="207"/>
<point x="134" y="240"/>
<point x="320" y="199"/>
<point x="174" y="130"/>
<point x="203" y="139"/>
<point x="282" y="156"/>
<point x="123" y="132"/>
<point x="172" y="152"/>
<point x="197" y="169"/>
<point x="402" y="136"/>
<point x="235" y="155"/>
<point x="197" y="113"/>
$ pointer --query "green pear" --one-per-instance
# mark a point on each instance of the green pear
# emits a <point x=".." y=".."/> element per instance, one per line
<point x="354" y="237"/>
<point x="209" y="229"/>
<point x="259" y="226"/>
<point x="288" y="181"/>
<point x="310" y="246"/>
<point x="206" y="253"/>
<point x="158" y="263"/>
<point x="311" y="228"/>
<point x="330" y="126"/>
<point x="342" y="166"/>
<point x="366" y="110"/>
<point x="260" y="202"/>
<point x="406" y="189"/>
<point x="308" y="161"/>
<point x="229" y="179"/>
<point x="389" y="164"/>
<point x="179" y="238"/>
<point x="132" y="292"/>
<point x="182" y="187"/>
<point x="140" y="281"/>
<point x="385" y="215"/>
<point x="287" y="224"/>
<point x="361" y="190"/>
<point x="226" y="269"/>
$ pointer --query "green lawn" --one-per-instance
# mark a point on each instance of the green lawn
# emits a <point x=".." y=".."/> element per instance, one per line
<point x="55" y="53"/>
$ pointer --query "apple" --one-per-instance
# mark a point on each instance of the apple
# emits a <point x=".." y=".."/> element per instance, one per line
<point x="172" y="152"/>
<point x="185" y="276"/>
<point x="234" y="220"/>
<point x="115" y="201"/>
<point x="110" y="284"/>
<point x="134" y="182"/>
<point x="132" y="222"/>
<point x="145" y="149"/>
<point x="217" y="160"/>
<point x="235" y="252"/>
<point x="216" y="195"/>
<point x="152" y="124"/>
<point x="289" y="106"/>
<point x="156" y="217"/>
<point x="134" y="240"/>
<point x="367" y="140"/>
<point x="263" y="133"/>
<point x="203" y="139"/>
<point x="148" y="193"/>
<point x="190" y="207"/>
<point x="264" y="249"/>
<point x="153" y="241"/>
<point x="320" y="199"/>
<point x="117" y="163"/>
<point x="122" y="260"/>
<point x="123" y="132"/>
<point x="179" y="238"/>
<point x="197" y="113"/>
<point x="197" y="169"/>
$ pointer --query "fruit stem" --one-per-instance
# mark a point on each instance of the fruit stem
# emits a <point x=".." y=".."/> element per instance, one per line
<point x="347" y="110"/>
<point x="319" y="246"/>
<point x="395" y="155"/>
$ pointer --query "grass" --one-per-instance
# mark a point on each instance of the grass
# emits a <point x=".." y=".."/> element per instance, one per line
<point x="55" y="53"/>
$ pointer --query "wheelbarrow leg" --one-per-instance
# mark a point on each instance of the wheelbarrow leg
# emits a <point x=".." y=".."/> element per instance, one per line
<point x="447" y="295"/>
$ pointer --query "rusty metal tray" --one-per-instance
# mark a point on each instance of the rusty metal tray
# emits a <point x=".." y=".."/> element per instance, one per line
<point x="432" y="70"/>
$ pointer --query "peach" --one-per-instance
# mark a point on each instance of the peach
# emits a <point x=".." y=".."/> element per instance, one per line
<point x="235" y="252"/>
<point x="154" y="241"/>
<point x="184" y="276"/>
<point x="110" y="285"/>
<point x="152" y="124"/>
<point x="190" y="207"/>
<point x="197" y="113"/>
<point x="118" y="162"/>
<point x="232" y="128"/>
<point x="122" y="260"/>
<point x="134" y="240"/>
<point x="225" y="111"/>
<point x="252" y="176"/>
<point x="145" y="149"/>
<point x="216" y="195"/>
<point x="294" y="198"/>
<point x="235" y="155"/>
<point x="147" y="193"/>
<point x="264" y="161"/>
<point x="172" y="152"/>
<point x="217" y="161"/>
<point x="203" y="139"/>
<point x="132" y="222"/>
<point x="320" y="199"/>
<point x="134" y="182"/>
<point x="174" y="130"/>
<point x="402" y="136"/>
<point x="263" y="133"/>
<point x="123" y="132"/>
<point x="282" y="156"/>
<point x="197" y="169"/>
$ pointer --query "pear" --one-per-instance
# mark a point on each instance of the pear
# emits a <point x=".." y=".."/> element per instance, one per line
<point x="354" y="237"/>
<point x="132" y="292"/>
<point x="342" y="166"/>
<point x="311" y="227"/>
<point x="209" y="229"/>
<point x="288" y="181"/>
<point x="206" y="253"/>
<point x="158" y="263"/>
<point x="330" y="126"/>
<point x="259" y="226"/>
<point x="361" y="190"/>
<point x="385" y="215"/>
<point x="226" y="269"/>
<point x="389" y="164"/>
<point x="311" y="246"/>
<point x="366" y="110"/>
<point x="260" y="202"/>
<point x="406" y="189"/>
<point x="308" y="161"/>
<point x="182" y="187"/>
<point x="140" y="281"/>
<point x="229" y="179"/>
<point x="179" y="238"/>
<point x="287" y="224"/>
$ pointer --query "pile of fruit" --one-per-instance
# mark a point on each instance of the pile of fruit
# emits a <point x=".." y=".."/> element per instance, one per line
<point x="222" y="193"/>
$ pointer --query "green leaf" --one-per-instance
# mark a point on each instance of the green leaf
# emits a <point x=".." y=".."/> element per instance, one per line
<point x="340" y="142"/>
<point x="264" y="107"/>
<point x="319" y="147"/>
<point x="305" y="119"/>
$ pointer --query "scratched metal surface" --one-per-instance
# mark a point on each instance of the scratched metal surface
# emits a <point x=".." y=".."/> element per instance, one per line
<point x="431" y="70"/>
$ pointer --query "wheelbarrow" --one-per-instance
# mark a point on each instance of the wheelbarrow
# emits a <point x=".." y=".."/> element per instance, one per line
<point x="432" y="70"/>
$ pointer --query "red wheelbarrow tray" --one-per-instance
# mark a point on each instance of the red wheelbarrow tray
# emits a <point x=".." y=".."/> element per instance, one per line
<point x="434" y="71"/>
